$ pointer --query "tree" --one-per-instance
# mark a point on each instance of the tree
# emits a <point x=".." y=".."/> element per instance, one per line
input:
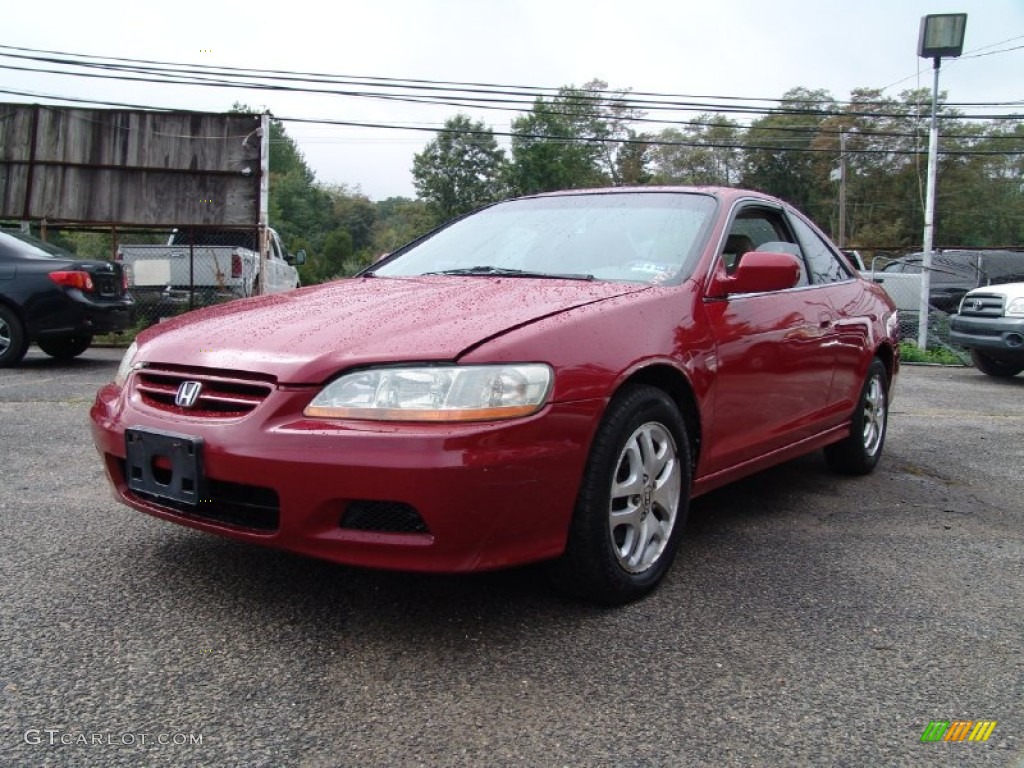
<point x="631" y="163"/>
<point x="330" y="260"/>
<point x="460" y="170"/>
<point x="399" y="220"/>
<point x="777" y="159"/>
<point x="572" y="140"/>
<point x="354" y="212"/>
<point x="705" y="152"/>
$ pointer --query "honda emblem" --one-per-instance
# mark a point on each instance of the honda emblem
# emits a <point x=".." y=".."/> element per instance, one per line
<point x="188" y="394"/>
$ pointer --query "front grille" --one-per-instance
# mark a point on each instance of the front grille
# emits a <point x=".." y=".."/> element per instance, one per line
<point x="243" y="506"/>
<point x="383" y="517"/>
<point x="220" y="395"/>
<point x="982" y="305"/>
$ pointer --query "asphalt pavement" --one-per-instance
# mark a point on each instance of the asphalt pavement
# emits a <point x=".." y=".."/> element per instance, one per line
<point x="809" y="619"/>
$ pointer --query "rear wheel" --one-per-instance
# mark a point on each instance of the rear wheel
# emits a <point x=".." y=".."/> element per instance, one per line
<point x="65" y="347"/>
<point x="859" y="452"/>
<point x="992" y="367"/>
<point x="632" y="502"/>
<point x="13" y="341"/>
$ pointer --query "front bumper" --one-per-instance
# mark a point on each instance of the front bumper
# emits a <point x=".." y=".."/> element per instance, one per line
<point x="1002" y="337"/>
<point x="490" y="495"/>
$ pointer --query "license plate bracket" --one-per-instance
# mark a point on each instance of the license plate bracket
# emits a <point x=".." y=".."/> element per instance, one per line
<point x="165" y="464"/>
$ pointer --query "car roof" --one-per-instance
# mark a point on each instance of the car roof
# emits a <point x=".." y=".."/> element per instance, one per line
<point x="723" y="193"/>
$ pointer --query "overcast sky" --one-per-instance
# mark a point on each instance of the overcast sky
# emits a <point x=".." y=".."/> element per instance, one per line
<point x="744" y="48"/>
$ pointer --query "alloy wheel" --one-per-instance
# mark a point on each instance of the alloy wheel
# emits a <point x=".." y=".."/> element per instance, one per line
<point x="644" y="497"/>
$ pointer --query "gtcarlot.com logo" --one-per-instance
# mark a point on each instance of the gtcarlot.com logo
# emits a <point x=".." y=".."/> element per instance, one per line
<point x="958" y="730"/>
<point x="54" y="737"/>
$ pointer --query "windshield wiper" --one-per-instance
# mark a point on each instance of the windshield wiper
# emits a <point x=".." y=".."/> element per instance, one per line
<point x="489" y="271"/>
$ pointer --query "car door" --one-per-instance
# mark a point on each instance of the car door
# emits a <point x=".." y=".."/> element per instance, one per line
<point x="852" y="329"/>
<point x="774" y="353"/>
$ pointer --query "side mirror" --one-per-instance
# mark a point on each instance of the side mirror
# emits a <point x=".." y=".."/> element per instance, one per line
<point x="760" y="272"/>
<point x="298" y="258"/>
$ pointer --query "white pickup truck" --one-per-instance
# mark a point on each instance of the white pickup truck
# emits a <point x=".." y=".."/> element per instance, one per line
<point x="208" y="266"/>
<point x="990" y="323"/>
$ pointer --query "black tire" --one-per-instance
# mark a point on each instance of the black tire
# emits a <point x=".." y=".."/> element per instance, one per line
<point x="65" y="347"/>
<point x="992" y="367"/>
<point x="13" y="341"/>
<point x="858" y="453"/>
<point x="602" y="562"/>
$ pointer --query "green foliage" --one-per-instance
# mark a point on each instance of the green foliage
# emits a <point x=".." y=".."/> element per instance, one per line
<point x="399" y="221"/>
<point x="703" y="152"/>
<point x="573" y="141"/>
<point x="769" y="165"/>
<point x="354" y="212"/>
<point x="460" y="170"/>
<point x="328" y="262"/>
<point x="585" y="137"/>
<point x="633" y="159"/>
<point x="911" y="353"/>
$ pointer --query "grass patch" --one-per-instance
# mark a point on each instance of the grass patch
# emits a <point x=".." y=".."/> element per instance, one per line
<point x="910" y="353"/>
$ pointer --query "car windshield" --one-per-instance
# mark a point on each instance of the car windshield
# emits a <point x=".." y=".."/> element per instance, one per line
<point x="641" y="237"/>
<point x="28" y="246"/>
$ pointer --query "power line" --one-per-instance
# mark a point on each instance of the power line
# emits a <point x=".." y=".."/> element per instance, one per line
<point x="494" y="94"/>
<point x="807" y="131"/>
<point x="210" y="76"/>
<point x="643" y="141"/>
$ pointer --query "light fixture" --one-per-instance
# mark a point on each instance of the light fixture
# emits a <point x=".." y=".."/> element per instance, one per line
<point x="941" y="35"/>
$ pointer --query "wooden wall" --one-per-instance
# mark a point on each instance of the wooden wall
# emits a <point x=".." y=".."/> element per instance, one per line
<point x="128" y="167"/>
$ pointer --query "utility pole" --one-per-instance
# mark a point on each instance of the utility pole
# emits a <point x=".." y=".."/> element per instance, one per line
<point x="263" y="232"/>
<point x="842" y="188"/>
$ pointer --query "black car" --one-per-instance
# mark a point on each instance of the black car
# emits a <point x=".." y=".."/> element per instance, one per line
<point x="49" y="297"/>
<point x="955" y="272"/>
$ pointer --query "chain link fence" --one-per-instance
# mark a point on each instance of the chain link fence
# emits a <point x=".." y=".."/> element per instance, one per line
<point x="953" y="272"/>
<point x="190" y="268"/>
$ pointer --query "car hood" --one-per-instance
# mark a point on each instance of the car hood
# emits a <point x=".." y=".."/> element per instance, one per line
<point x="1006" y="290"/>
<point x="308" y="335"/>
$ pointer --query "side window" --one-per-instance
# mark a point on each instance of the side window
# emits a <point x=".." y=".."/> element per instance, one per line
<point x="759" y="229"/>
<point x="825" y="265"/>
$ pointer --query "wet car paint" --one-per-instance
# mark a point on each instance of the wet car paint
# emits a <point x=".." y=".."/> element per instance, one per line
<point x="764" y="377"/>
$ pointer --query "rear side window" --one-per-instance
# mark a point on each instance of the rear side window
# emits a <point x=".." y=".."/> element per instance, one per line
<point x="824" y="264"/>
<point x="14" y="246"/>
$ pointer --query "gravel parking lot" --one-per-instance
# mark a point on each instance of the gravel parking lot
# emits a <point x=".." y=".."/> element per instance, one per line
<point x="809" y="620"/>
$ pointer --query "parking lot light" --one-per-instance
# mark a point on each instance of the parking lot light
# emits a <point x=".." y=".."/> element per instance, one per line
<point x="941" y="35"/>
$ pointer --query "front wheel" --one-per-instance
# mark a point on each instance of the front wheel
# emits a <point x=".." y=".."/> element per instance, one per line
<point x="65" y="347"/>
<point x="632" y="502"/>
<point x="992" y="367"/>
<point x="859" y="452"/>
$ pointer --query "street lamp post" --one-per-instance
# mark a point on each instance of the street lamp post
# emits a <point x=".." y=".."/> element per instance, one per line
<point x="941" y="35"/>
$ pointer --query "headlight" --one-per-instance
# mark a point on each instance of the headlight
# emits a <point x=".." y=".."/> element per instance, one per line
<point x="1015" y="308"/>
<point x="435" y="393"/>
<point x="127" y="365"/>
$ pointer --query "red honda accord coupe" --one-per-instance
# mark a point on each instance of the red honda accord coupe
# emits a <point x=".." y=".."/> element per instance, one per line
<point x="548" y="378"/>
